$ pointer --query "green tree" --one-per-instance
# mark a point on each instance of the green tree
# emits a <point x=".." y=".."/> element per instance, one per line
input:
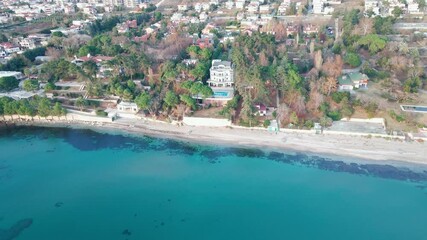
<point x="397" y="12"/>
<point x="80" y="103"/>
<point x="90" y="68"/>
<point x="43" y="107"/>
<point x="294" y="118"/>
<point x="384" y="25"/>
<point x="3" y="38"/>
<point x="171" y="100"/>
<point x="31" y="85"/>
<point x="412" y="85"/>
<point x="294" y="79"/>
<point x="87" y="49"/>
<point x="8" y="83"/>
<point x="49" y="86"/>
<point x="352" y="59"/>
<point x="188" y="100"/>
<point x="58" y="34"/>
<point x="206" y="54"/>
<point x="373" y="43"/>
<point x="201" y="71"/>
<point x="143" y="101"/>
<point x="193" y="51"/>
<point x="31" y="54"/>
<point x="346" y="110"/>
<point x="58" y="110"/>
<point x="25" y="108"/>
<point x="157" y="16"/>
<point x="421" y="4"/>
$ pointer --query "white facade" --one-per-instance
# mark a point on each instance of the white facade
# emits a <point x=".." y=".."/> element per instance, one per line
<point x="229" y="4"/>
<point x="318" y="6"/>
<point x="373" y="5"/>
<point x="221" y="74"/>
<point x="240" y="4"/>
<point x="17" y="75"/>
<point x="413" y="8"/>
<point x="182" y="7"/>
<point x="127" y="107"/>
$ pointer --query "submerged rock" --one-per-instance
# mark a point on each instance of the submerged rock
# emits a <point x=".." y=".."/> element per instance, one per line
<point x="126" y="232"/>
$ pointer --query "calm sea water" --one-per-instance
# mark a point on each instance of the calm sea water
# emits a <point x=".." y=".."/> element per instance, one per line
<point x="79" y="184"/>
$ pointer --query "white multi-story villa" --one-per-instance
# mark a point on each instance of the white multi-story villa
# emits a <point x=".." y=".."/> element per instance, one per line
<point x="222" y="74"/>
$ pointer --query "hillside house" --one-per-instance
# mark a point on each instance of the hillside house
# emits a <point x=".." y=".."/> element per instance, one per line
<point x="351" y="81"/>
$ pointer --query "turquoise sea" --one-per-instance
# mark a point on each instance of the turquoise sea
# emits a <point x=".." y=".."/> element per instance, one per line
<point x="68" y="184"/>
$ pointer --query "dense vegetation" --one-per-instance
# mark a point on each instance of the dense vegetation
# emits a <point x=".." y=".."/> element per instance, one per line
<point x="37" y="106"/>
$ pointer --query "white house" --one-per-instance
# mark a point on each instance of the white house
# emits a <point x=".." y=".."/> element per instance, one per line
<point x="127" y="107"/>
<point x="240" y="4"/>
<point x="229" y="4"/>
<point x="264" y="8"/>
<point x="372" y="5"/>
<point x="182" y="7"/>
<point x="221" y="74"/>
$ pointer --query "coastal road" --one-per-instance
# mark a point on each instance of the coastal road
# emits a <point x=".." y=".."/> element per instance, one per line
<point x="309" y="18"/>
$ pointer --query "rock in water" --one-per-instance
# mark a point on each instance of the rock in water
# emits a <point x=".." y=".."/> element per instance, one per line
<point x="126" y="232"/>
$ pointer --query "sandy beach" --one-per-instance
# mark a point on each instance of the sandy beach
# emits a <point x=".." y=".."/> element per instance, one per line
<point x="373" y="148"/>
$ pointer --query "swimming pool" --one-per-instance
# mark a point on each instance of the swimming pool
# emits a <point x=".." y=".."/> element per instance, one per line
<point x="221" y="94"/>
<point x="412" y="108"/>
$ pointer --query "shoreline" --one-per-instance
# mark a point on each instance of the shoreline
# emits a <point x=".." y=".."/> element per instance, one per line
<point x="354" y="148"/>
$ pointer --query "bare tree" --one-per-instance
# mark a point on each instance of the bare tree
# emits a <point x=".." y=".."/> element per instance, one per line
<point x="318" y="59"/>
<point x="53" y="53"/>
<point x="365" y="26"/>
<point x="315" y="98"/>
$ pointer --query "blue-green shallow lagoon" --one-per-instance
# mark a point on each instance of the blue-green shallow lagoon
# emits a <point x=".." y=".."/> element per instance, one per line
<point x="58" y="183"/>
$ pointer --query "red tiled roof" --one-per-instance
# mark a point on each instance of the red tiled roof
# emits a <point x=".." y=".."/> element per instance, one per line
<point x="7" y="45"/>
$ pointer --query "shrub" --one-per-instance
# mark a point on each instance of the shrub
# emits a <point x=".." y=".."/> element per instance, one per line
<point x="309" y="124"/>
<point x="8" y="83"/>
<point x="397" y="117"/>
<point x="371" y="109"/>
<point x="101" y="113"/>
<point x="336" y="49"/>
<point x="339" y="96"/>
<point x="266" y="123"/>
<point x="334" y="115"/>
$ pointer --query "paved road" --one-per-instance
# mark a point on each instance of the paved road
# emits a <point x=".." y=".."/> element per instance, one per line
<point x="410" y="26"/>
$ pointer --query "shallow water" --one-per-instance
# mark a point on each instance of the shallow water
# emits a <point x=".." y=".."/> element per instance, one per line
<point x="78" y="184"/>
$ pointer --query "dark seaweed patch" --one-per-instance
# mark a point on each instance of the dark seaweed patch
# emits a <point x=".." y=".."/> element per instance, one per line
<point x="246" y="152"/>
<point x="212" y="154"/>
<point x="388" y="171"/>
<point x="82" y="139"/>
<point x="88" y="140"/>
<point x="174" y="147"/>
<point x="16" y="229"/>
<point x="375" y="170"/>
